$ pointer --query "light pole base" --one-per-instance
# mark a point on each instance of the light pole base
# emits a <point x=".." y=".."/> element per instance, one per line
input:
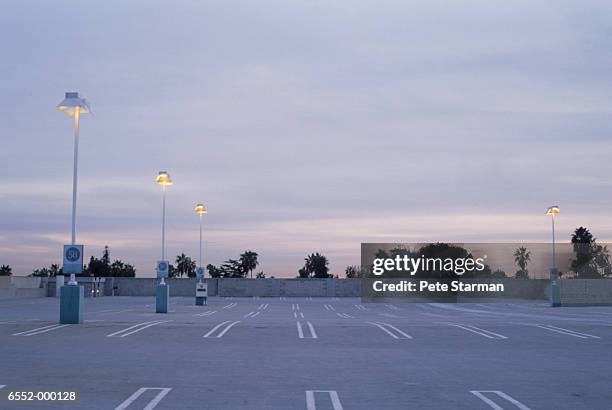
<point x="555" y="290"/>
<point x="162" y="298"/>
<point x="71" y="303"/>
<point x="200" y="300"/>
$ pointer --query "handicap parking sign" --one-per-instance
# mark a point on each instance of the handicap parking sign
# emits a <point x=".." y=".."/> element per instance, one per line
<point x="73" y="259"/>
<point x="162" y="269"/>
<point x="199" y="273"/>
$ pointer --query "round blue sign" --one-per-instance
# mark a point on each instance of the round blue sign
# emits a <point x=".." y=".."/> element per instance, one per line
<point x="73" y="254"/>
<point x="162" y="266"/>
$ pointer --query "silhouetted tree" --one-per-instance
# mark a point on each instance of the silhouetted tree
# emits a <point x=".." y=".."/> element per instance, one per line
<point x="5" y="270"/>
<point x="260" y="275"/>
<point x="522" y="257"/>
<point x="316" y="266"/>
<point x="185" y="266"/>
<point x="592" y="260"/>
<point x="213" y="271"/>
<point x="249" y="261"/>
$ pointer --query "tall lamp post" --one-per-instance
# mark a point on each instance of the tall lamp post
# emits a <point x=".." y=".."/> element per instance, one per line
<point x="162" y="291"/>
<point x="201" y="288"/>
<point x="553" y="211"/>
<point x="71" y="297"/>
<point x="200" y="210"/>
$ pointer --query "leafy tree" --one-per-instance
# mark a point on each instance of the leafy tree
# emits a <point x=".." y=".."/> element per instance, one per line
<point x="249" y="261"/>
<point x="55" y="270"/>
<point x="522" y="257"/>
<point x="352" y="271"/>
<point x="120" y="269"/>
<point x="213" y="271"/>
<point x="592" y="260"/>
<point x="5" y="270"/>
<point x="40" y="273"/>
<point x="233" y="268"/>
<point x="185" y="266"/>
<point x="498" y="273"/>
<point x="260" y="275"/>
<point x="316" y="266"/>
<point x="303" y="273"/>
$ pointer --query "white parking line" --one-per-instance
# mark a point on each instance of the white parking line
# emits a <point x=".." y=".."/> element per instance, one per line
<point x="482" y="332"/>
<point x="150" y="405"/>
<point x="231" y="305"/>
<point x="249" y="314"/>
<point x="2" y="386"/>
<point x="136" y="328"/>
<point x="328" y="307"/>
<point x="228" y="325"/>
<point x="313" y="334"/>
<point x="263" y="306"/>
<point x="389" y="329"/>
<point x="361" y="307"/>
<point x="39" y="330"/>
<point x="392" y="307"/>
<point x="390" y="315"/>
<point x="496" y="406"/>
<point x="345" y="315"/>
<point x="207" y="313"/>
<point x="568" y="332"/>
<point x="333" y="396"/>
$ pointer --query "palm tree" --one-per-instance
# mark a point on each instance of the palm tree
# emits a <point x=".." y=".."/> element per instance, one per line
<point x="317" y="265"/>
<point x="249" y="261"/>
<point x="522" y="257"/>
<point x="5" y="270"/>
<point x="185" y="266"/>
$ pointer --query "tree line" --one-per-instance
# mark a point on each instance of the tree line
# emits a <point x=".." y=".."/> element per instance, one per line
<point x="591" y="260"/>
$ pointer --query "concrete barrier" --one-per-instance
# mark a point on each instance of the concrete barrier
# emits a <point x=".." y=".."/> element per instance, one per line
<point x="586" y="292"/>
<point x="22" y="287"/>
<point x="228" y="287"/>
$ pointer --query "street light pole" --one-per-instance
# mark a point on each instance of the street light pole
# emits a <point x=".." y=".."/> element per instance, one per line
<point x="77" y="115"/>
<point x="163" y="179"/>
<point x="71" y="297"/>
<point x="163" y="249"/>
<point x="200" y="258"/>
<point x="200" y="209"/>
<point x="553" y="211"/>
<point x="555" y="291"/>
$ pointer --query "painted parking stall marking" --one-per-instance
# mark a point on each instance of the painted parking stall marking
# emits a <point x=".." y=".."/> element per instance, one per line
<point x="136" y="328"/>
<point x="332" y="397"/>
<point x="567" y="332"/>
<point x="309" y="327"/>
<point x="252" y="314"/>
<point x="207" y="313"/>
<point x="476" y="330"/>
<point x="222" y="329"/>
<point x="392" y="307"/>
<point x="391" y="330"/>
<point x="500" y="395"/>
<point x="230" y="306"/>
<point x="263" y="306"/>
<point x="361" y="307"/>
<point x="345" y="315"/>
<point x="163" y="391"/>
<point x="39" y="330"/>
<point x="328" y="307"/>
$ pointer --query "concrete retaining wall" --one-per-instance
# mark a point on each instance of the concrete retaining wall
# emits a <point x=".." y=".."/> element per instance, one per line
<point x="231" y="287"/>
<point x="22" y="287"/>
<point x="585" y="292"/>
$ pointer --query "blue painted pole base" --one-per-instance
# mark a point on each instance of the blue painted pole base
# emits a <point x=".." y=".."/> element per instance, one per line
<point x="71" y="305"/>
<point x="555" y="288"/>
<point x="162" y="298"/>
<point x="200" y="301"/>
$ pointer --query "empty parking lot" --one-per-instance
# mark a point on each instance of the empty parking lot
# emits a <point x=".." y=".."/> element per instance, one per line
<point x="308" y="353"/>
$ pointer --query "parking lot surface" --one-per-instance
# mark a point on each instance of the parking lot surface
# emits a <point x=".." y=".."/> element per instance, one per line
<point x="307" y="353"/>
